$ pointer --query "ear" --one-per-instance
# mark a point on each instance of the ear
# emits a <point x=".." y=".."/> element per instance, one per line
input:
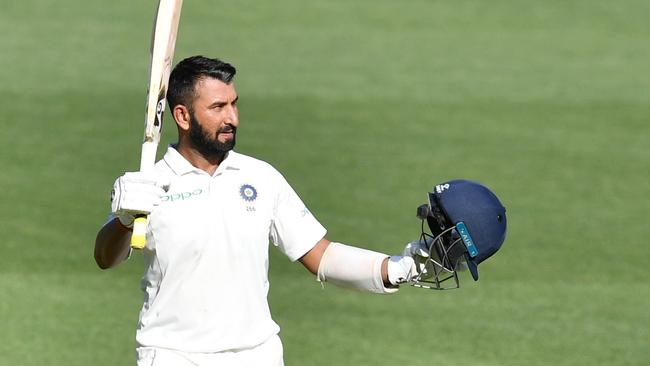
<point x="182" y="117"/>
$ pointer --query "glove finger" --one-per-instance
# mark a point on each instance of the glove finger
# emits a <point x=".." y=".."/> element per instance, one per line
<point x="163" y="182"/>
<point x="422" y="252"/>
<point x="420" y="248"/>
<point x="138" y="177"/>
<point x="140" y="201"/>
<point x="147" y="201"/>
<point x="410" y="249"/>
<point x="148" y="178"/>
<point x="416" y="248"/>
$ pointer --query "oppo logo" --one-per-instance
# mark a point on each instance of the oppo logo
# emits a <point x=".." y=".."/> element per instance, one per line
<point x="182" y="196"/>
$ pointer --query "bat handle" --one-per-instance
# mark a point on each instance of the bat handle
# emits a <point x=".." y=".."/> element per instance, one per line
<point x="147" y="160"/>
<point x="139" y="235"/>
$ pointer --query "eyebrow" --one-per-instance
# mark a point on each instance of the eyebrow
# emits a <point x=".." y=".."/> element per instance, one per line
<point x="221" y="103"/>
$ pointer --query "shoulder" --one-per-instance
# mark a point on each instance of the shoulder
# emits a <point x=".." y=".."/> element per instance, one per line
<point x="170" y="155"/>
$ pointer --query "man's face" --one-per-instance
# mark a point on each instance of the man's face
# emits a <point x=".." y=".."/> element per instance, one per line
<point x="214" y="117"/>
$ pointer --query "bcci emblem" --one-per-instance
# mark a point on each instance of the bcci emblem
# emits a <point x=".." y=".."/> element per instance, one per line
<point x="248" y="193"/>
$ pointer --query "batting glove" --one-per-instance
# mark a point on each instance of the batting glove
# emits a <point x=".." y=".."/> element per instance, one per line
<point x="400" y="269"/>
<point x="137" y="193"/>
<point x="407" y="266"/>
<point x="419" y="250"/>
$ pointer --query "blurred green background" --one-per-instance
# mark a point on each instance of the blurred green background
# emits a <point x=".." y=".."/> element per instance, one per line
<point x="364" y="106"/>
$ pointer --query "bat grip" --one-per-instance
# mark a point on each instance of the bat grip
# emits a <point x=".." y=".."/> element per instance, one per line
<point x="147" y="160"/>
<point x="139" y="235"/>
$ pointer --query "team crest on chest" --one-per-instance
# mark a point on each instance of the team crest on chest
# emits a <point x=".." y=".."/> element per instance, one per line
<point x="248" y="193"/>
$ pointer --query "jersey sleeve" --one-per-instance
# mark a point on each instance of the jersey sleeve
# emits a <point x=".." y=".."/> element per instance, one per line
<point x="294" y="230"/>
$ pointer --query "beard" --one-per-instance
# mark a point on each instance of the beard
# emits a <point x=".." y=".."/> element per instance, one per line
<point x="210" y="146"/>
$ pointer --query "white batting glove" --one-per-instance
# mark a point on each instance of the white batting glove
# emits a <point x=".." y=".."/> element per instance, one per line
<point x="418" y="248"/>
<point x="404" y="268"/>
<point x="400" y="269"/>
<point x="416" y="253"/>
<point x="419" y="251"/>
<point x="137" y="193"/>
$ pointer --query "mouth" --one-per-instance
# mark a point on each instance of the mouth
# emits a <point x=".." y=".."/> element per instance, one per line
<point x="227" y="132"/>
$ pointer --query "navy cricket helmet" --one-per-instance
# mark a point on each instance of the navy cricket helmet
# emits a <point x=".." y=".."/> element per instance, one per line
<point x="467" y="224"/>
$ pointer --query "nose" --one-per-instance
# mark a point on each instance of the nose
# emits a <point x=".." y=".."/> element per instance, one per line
<point x="233" y="115"/>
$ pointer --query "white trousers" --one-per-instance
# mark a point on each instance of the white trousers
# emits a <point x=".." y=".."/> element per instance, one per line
<point x="268" y="353"/>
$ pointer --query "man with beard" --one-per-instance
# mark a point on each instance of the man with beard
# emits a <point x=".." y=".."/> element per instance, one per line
<point x="212" y="213"/>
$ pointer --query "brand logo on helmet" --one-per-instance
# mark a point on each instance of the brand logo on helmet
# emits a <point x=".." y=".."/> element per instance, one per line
<point x="467" y="239"/>
<point x="442" y="187"/>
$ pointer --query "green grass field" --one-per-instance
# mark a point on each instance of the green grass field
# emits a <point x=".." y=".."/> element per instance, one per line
<point x="363" y="106"/>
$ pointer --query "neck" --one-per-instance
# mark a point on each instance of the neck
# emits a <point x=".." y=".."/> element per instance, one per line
<point x="207" y="163"/>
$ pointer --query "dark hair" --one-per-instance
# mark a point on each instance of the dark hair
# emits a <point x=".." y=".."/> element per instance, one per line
<point x="189" y="71"/>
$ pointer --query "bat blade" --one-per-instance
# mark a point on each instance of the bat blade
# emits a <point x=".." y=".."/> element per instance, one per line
<point x="163" y="42"/>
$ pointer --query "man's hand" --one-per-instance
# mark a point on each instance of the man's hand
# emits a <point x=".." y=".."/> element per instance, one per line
<point x="412" y="262"/>
<point x="417" y="249"/>
<point x="404" y="268"/>
<point x="400" y="269"/>
<point x="136" y="193"/>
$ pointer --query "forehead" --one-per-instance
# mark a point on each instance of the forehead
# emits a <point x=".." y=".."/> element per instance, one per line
<point x="209" y="89"/>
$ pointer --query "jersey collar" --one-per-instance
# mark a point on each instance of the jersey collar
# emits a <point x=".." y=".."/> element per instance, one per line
<point x="181" y="166"/>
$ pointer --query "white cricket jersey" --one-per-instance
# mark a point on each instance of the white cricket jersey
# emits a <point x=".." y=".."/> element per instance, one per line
<point x="206" y="259"/>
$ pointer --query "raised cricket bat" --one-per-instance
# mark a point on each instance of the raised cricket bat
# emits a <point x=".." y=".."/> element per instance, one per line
<point x="163" y="40"/>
